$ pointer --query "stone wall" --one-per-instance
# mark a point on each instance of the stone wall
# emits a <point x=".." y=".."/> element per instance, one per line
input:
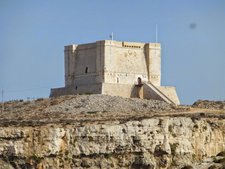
<point x="126" y="61"/>
<point x="123" y="90"/>
<point x="153" y="51"/>
<point x="124" y="64"/>
<point x="78" y="89"/>
<point x="118" y="62"/>
<point x="83" y="64"/>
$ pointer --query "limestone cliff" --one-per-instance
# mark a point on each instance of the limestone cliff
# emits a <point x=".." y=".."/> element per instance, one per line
<point x="169" y="138"/>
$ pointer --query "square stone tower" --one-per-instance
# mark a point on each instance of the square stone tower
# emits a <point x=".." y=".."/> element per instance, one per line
<point x="127" y="69"/>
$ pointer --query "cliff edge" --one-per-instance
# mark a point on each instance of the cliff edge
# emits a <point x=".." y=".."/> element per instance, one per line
<point x="100" y="131"/>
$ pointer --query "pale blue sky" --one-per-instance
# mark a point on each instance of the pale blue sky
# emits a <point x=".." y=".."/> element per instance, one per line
<point x="33" y="35"/>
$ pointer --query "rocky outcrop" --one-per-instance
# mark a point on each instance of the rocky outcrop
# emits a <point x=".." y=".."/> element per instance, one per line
<point x="154" y="143"/>
<point x="206" y="104"/>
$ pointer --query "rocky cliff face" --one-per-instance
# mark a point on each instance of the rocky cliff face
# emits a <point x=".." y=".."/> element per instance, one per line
<point x="148" y="143"/>
<point x="177" y="140"/>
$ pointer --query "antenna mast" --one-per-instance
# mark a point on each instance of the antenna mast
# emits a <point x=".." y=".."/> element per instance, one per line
<point x="2" y="100"/>
<point x="111" y="36"/>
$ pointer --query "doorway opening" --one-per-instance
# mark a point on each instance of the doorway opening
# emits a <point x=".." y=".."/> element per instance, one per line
<point x="139" y="81"/>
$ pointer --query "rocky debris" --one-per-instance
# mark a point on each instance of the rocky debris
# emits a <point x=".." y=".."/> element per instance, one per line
<point x="73" y="108"/>
<point x="206" y="104"/>
<point x="87" y="103"/>
<point x="105" y="103"/>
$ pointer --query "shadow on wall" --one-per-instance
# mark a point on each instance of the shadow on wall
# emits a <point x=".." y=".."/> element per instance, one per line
<point x="136" y="91"/>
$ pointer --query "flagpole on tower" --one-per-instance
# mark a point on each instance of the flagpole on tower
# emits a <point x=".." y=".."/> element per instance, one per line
<point x="156" y="33"/>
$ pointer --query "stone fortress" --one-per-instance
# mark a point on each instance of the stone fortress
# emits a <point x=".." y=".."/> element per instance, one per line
<point x="127" y="69"/>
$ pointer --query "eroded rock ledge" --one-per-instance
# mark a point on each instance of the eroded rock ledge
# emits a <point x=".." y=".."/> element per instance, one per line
<point x="150" y="143"/>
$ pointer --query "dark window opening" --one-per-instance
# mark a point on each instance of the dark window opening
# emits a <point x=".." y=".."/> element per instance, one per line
<point x="76" y="87"/>
<point x="117" y="80"/>
<point x="86" y="70"/>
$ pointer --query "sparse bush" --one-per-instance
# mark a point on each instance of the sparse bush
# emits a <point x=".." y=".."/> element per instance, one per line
<point x="160" y="122"/>
<point x="187" y="167"/>
<point x="193" y="156"/>
<point x="145" y="105"/>
<point x="54" y="102"/>
<point x="202" y="114"/>
<point x="159" y="152"/>
<point x="222" y="153"/>
<point x="195" y="126"/>
<point x="174" y="163"/>
<point x="92" y="112"/>
<point x="204" y="127"/>
<point x="221" y="161"/>
<point x="173" y="148"/>
<point x="213" y="167"/>
<point x="36" y="159"/>
<point x="39" y="99"/>
<point x="170" y="128"/>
